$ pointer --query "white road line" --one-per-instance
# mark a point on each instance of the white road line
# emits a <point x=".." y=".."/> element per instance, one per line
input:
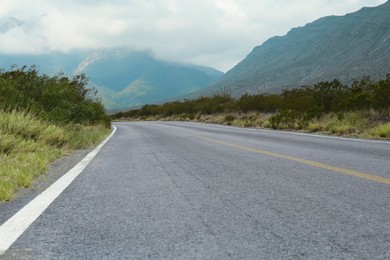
<point x="14" y="227"/>
<point x="294" y="133"/>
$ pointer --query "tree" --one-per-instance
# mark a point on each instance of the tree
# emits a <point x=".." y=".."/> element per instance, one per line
<point x="329" y="94"/>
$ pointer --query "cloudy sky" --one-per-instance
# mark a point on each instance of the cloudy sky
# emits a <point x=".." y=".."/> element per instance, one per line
<point x="217" y="33"/>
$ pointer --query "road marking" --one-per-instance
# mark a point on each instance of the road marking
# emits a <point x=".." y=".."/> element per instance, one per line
<point x="14" y="227"/>
<point x="362" y="175"/>
<point x="327" y="136"/>
<point x="264" y="130"/>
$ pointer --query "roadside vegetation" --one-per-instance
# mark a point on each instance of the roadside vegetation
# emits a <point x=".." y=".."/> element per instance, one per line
<point x="361" y="109"/>
<point x="41" y="119"/>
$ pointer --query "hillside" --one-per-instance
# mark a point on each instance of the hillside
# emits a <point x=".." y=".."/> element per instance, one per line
<point x="124" y="78"/>
<point x="344" y="47"/>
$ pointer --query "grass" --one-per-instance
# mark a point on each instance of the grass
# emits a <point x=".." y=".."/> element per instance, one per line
<point x="251" y="119"/>
<point x="382" y="131"/>
<point x="366" y="124"/>
<point x="86" y="136"/>
<point x="349" y="124"/>
<point x="28" y="145"/>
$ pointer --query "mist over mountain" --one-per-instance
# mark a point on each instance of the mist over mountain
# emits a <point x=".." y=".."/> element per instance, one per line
<point x="124" y="78"/>
<point x="50" y="64"/>
<point x="344" y="47"/>
<point x="9" y="23"/>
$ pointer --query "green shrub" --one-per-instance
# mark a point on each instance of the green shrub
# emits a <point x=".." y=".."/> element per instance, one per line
<point x="59" y="99"/>
<point x="229" y="119"/>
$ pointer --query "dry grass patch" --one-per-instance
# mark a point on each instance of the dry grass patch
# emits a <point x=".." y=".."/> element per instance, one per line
<point x="380" y="131"/>
<point x="28" y="145"/>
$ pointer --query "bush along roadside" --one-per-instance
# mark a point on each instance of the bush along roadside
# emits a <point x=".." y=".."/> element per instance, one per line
<point x="57" y="99"/>
<point x="41" y="119"/>
<point x="361" y="109"/>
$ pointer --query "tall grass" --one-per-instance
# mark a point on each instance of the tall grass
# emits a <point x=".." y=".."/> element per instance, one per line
<point x="28" y="145"/>
<point x="351" y="123"/>
<point x="365" y="123"/>
<point x="380" y="131"/>
<point x="86" y="136"/>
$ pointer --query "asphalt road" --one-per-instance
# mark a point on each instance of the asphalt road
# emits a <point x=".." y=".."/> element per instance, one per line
<point x="191" y="191"/>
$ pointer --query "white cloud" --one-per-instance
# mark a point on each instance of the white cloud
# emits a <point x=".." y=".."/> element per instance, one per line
<point x="217" y="33"/>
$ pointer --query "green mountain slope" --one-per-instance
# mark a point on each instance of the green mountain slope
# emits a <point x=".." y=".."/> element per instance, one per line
<point x="344" y="47"/>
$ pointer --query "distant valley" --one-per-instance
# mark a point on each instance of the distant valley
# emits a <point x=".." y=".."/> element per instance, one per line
<point x="127" y="79"/>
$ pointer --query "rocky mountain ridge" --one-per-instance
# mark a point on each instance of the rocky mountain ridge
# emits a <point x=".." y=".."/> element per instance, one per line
<point x="343" y="47"/>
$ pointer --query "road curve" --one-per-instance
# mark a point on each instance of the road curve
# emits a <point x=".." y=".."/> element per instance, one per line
<point x="192" y="191"/>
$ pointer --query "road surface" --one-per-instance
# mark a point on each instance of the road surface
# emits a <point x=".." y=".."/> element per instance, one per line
<point x="192" y="191"/>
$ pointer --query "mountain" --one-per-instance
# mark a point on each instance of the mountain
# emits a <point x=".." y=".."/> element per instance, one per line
<point x="124" y="78"/>
<point x="343" y="47"/>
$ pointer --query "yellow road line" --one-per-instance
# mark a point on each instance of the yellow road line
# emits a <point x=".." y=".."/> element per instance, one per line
<point x="358" y="174"/>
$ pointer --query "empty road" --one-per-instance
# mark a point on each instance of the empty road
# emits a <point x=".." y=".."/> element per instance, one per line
<point x="192" y="191"/>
